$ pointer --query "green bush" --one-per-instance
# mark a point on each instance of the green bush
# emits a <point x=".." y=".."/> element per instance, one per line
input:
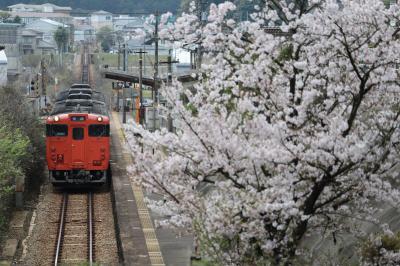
<point x="21" y="148"/>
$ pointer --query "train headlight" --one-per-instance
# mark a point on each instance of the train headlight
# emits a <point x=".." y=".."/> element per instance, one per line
<point x="99" y="118"/>
<point x="56" y="118"/>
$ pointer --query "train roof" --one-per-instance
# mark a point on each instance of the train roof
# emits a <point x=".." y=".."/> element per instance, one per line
<point x="95" y="105"/>
<point x="80" y="90"/>
<point x="78" y="85"/>
<point x="79" y="96"/>
<point x="90" y="108"/>
<point x="96" y="95"/>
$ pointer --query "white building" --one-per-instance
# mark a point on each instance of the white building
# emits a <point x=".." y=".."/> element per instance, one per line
<point x="122" y="22"/>
<point x="101" y="18"/>
<point x="10" y="38"/>
<point x="78" y="21"/>
<point x="29" y="13"/>
<point x="29" y="17"/>
<point x="3" y="68"/>
<point x="46" y="8"/>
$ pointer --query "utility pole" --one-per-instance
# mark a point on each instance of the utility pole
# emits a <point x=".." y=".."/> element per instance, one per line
<point x="123" y="88"/>
<point x="141" y="109"/>
<point x="144" y="60"/>
<point x="170" y="124"/>
<point x="202" y="15"/>
<point x="118" y="87"/>
<point x="169" y="80"/>
<point x="155" y="85"/>
<point x="169" y="62"/>
<point x="43" y="70"/>
<point x="119" y="55"/>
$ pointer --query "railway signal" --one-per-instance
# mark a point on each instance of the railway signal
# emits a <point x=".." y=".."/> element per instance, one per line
<point x="37" y="85"/>
<point x="32" y="87"/>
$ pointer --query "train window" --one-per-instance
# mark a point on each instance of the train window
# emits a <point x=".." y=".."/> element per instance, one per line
<point x="99" y="130"/>
<point x="56" y="130"/>
<point x="77" y="133"/>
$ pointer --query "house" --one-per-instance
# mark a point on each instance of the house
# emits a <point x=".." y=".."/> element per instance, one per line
<point x="78" y="21"/>
<point x="30" y="13"/>
<point x="48" y="28"/>
<point x="122" y="21"/>
<point x="29" y="39"/>
<point x="3" y="68"/>
<point x="29" y="17"/>
<point x="10" y="39"/>
<point x="32" y="43"/>
<point x="45" y="8"/>
<point x="100" y="19"/>
<point x="133" y="27"/>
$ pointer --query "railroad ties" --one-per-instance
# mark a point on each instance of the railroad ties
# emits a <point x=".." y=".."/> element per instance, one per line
<point x="75" y="239"/>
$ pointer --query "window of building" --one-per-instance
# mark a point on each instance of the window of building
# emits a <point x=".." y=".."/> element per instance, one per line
<point x="28" y="40"/>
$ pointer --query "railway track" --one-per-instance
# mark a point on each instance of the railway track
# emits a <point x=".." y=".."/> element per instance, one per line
<point x="75" y="238"/>
<point x="85" y="65"/>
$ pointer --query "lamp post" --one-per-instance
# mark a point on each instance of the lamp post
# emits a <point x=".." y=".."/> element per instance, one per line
<point x="123" y="88"/>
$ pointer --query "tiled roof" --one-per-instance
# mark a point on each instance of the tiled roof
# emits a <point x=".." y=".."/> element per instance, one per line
<point x="29" y="32"/>
<point x="101" y="12"/>
<point x="55" y="7"/>
<point x="44" y="44"/>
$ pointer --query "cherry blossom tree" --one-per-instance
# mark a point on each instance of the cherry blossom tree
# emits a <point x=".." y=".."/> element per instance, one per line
<point x="282" y="135"/>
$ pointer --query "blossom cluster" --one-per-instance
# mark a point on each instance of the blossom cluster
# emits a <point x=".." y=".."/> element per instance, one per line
<point x="282" y="135"/>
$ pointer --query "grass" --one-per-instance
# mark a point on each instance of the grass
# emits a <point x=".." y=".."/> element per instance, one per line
<point x="146" y="94"/>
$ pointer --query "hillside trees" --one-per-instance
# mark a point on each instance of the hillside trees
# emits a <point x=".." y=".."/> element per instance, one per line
<point x="281" y="137"/>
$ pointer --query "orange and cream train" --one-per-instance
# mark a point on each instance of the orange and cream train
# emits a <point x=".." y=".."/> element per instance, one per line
<point x="78" y="139"/>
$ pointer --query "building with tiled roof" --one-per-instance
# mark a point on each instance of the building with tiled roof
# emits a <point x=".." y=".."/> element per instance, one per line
<point x="45" y="8"/>
<point x="28" y="17"/>
<point x="101" y="18"/>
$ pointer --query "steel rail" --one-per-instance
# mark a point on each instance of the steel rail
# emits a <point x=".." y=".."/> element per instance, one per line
<point x="90" y="228"/>
<point x="61" y="229"/>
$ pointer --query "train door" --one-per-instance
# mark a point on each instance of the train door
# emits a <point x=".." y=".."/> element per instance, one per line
<point x="78" y="147"/>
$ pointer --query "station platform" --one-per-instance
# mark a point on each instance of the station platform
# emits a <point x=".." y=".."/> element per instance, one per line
<point x="139" y="243"/>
